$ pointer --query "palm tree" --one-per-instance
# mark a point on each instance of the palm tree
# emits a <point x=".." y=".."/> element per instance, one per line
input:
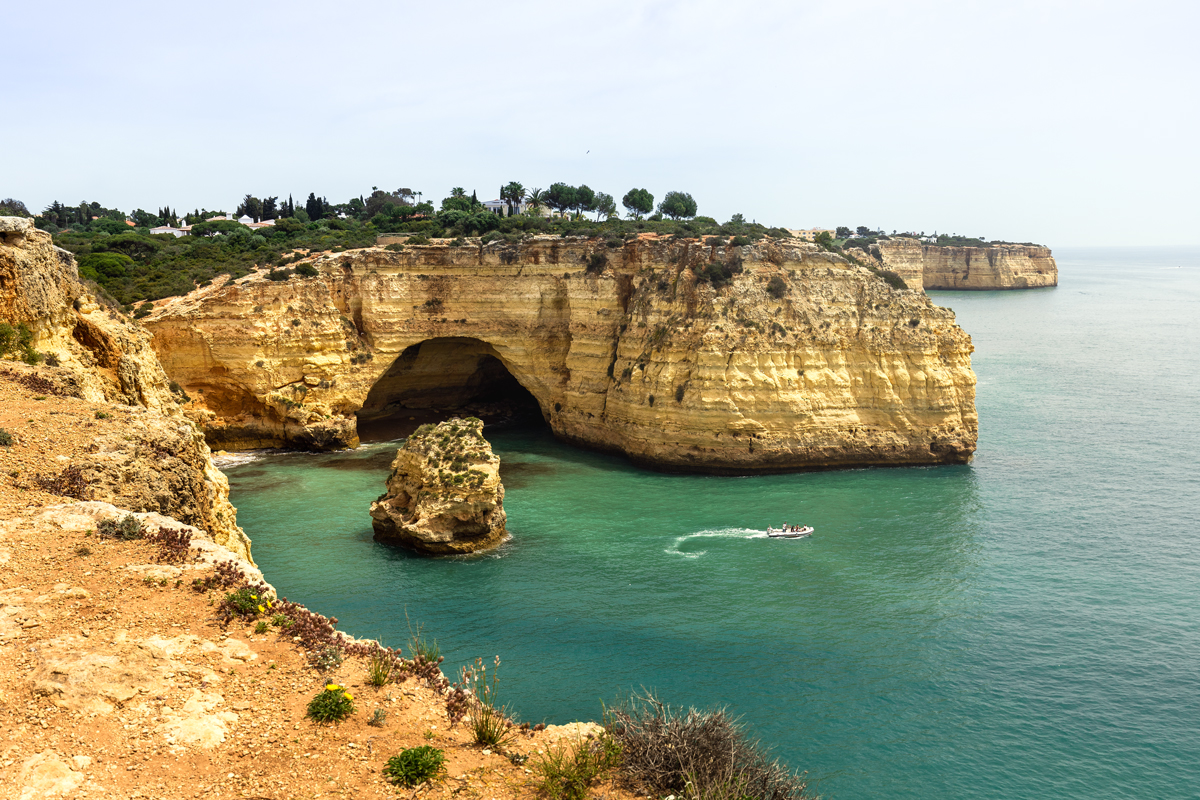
<point x="512" y="194"/>
<point x="458" y="191"/>
<point x="535" y="199"/>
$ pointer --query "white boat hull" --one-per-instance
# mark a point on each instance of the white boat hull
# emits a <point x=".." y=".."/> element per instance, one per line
<point x="800" y="533"/>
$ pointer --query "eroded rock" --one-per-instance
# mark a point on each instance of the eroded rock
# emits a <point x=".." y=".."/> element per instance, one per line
<point x="444" y="495"/>
<point x="681" y="354"/>
<point x="160" y="460"/>
<point x="46" y="774"/>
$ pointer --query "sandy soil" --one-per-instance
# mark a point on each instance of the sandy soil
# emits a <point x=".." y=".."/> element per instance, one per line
<point x="117" y="680"/>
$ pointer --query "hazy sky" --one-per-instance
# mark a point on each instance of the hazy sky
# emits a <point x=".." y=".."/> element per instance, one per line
<point x="1060" y="122"/>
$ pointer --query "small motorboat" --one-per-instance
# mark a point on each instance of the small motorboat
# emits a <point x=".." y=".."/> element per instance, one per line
<point x="790" y="532"/>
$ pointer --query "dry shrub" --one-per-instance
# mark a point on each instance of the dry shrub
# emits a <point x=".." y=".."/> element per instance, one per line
<point x="173" y="545"/>
<point x="695" y="755"/>
<point x="68" y="483"/>
<point x="225" y="576"/>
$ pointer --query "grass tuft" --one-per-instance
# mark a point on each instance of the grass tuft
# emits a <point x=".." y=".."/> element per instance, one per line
<point x="567" y="771"/>
<point x="489" y="721"/>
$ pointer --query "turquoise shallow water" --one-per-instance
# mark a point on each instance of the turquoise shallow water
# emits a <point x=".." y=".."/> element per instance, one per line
<point x="1025" y="626"/>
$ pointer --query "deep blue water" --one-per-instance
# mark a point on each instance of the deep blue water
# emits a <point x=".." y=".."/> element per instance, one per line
<point x="1025" y="626"/>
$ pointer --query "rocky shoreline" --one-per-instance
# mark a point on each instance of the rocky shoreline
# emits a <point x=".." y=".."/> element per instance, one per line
<point x="119" y="679"/>
<point x="122" y="671"/>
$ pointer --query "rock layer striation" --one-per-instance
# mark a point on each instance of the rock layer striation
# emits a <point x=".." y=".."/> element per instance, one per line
<point x="1001" y="266"/>
<point x="680" y="354"/>
<point x="161" y="463"/>
<point x="444" y="495"/>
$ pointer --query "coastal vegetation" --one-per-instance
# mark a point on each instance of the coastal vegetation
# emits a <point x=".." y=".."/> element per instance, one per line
<point x="17" y="342"/>
<point x="121" y="255"/>
<point x="695" y="754"/>
<point x="332" y="704"/>
<point x="415" y="765"/>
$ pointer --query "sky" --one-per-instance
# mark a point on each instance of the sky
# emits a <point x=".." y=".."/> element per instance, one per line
<point x="1064" y="123"/>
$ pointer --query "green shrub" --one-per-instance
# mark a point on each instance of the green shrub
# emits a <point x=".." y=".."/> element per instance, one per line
<point x="418" y="239"/>
<point x="247" y="601"/>
<point x="279" y="274"/>
<point x="396" y="248"/>
<point x="129" y="527"/>
<point x="777" y="287"/>
<point x="378" y="718"/>
<point x="307" y="270"/>
<point x="18" y="341"/>
<point x="52" y="360"/>
<point x="720" y="273"/>
<point x="333" y="704"/>
<point x="415" y="765"/>
<point x="567" y="771"/>
<point x="6" y="438"/>
<point x="740" y="241"/>
<point x="8" y="338"/>
<point x="380" y="665"/>
<point x="597" y="261"/>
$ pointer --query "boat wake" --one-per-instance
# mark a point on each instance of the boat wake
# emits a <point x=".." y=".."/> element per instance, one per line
<point x="722" y="533"/>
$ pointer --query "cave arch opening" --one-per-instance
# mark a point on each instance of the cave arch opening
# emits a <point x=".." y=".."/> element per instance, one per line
<point x="439" y="378"/>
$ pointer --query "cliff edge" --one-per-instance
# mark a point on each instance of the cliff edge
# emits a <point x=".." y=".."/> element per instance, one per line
<point x="143" y="453"/>
<point x="998" y="266"/>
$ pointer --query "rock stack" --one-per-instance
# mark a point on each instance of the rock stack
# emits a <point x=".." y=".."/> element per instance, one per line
<point x="444" y="495"/>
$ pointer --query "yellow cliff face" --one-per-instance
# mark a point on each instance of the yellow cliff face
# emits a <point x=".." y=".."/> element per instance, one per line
<point x="163" y="463"/>
<point x="802" y="360"/>
<point x="1002" y="266"/>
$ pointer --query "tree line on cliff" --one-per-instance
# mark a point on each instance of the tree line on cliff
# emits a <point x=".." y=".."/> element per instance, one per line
<point x="131" y="265"/>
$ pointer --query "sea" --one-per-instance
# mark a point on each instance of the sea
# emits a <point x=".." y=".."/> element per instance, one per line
<point x="1023" y="626"/>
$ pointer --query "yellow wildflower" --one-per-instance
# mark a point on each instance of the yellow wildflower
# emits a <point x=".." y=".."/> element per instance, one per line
<point x="261" y="609"/>
<point x="348" y="695"/>
<point x="333" y="687"/>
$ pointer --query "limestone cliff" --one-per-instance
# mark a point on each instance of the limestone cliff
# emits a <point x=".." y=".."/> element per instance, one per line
<point x="795" y="359"/>
<point x="1000" y="266"/>
<point x="444" y="495"/>
<point x="160" y="462"/>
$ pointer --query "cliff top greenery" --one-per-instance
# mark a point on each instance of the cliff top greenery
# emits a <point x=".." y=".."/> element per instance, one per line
<point x="118" y="252"/>
<point x="453" y="446"/>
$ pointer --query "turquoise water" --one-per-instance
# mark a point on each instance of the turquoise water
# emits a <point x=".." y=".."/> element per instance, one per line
<point x="1025" y="626"/>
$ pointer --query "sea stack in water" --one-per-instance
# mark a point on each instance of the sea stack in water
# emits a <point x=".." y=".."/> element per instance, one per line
<point x="444" y="495"/>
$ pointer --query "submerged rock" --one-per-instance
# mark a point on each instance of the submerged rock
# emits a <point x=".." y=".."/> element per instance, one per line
<point x="444" y="495"/>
